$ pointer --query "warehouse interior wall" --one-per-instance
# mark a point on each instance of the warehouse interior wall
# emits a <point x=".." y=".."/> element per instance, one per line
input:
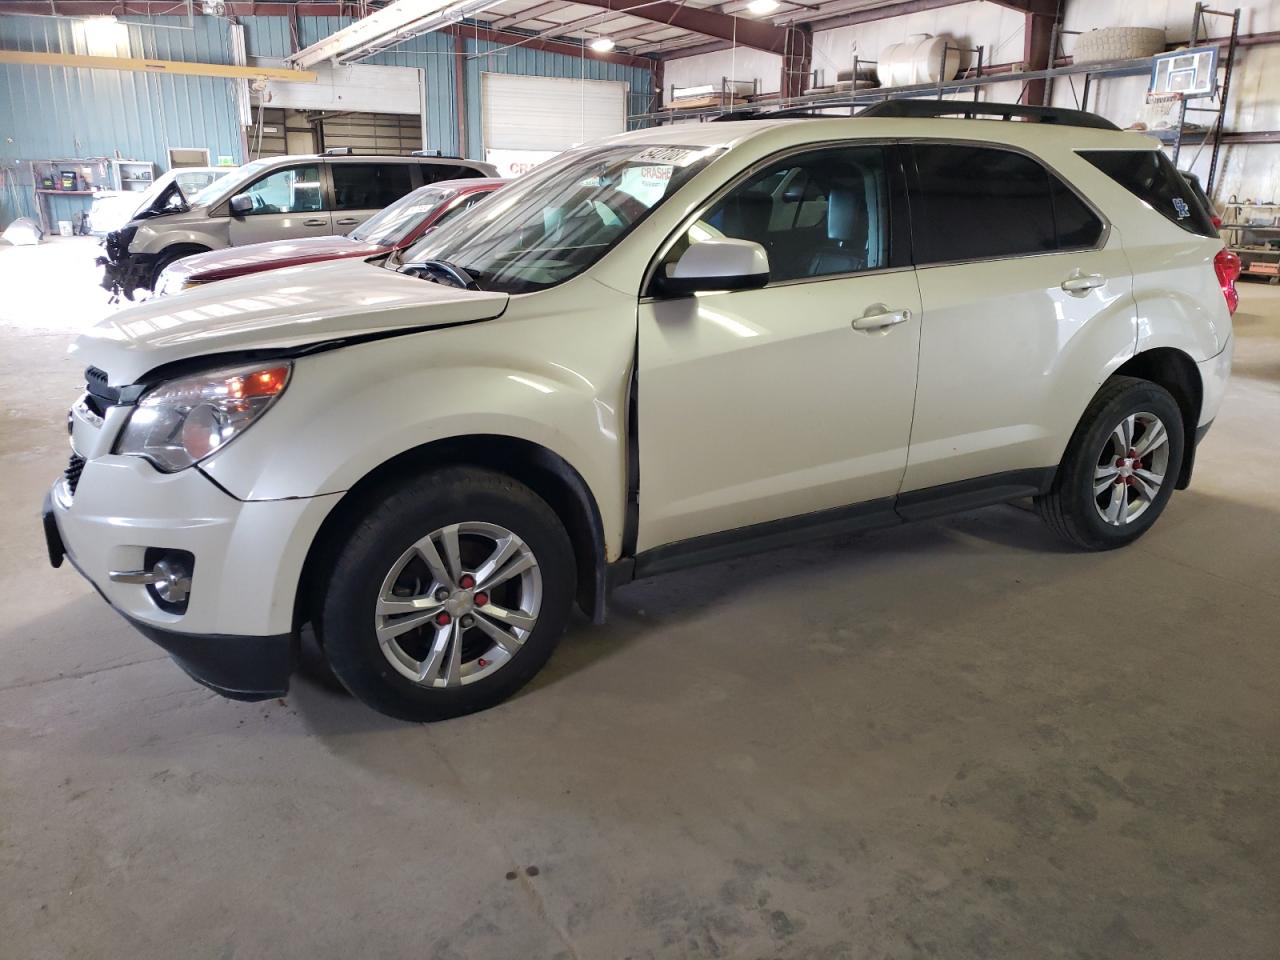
<point x="1245" y="170"/>
<point x="60" y="113"/>
<point x="55" y="113"/>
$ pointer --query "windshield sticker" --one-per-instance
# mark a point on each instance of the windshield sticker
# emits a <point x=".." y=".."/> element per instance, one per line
<point x="675" y="156"/>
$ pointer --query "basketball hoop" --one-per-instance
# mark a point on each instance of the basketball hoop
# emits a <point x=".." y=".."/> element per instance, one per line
<point x="1157" y="112"/>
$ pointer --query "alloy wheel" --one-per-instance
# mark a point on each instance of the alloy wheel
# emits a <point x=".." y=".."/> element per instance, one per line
<point x="1131" y="468"/>
<point x="458" y="604"/>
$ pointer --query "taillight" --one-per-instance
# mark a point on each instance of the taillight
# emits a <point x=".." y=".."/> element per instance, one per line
<point x="1217" y="221"/>
<point x="1227" y="266"/>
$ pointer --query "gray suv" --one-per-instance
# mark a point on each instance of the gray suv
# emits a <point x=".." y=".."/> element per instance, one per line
<point x="279" y="198"/>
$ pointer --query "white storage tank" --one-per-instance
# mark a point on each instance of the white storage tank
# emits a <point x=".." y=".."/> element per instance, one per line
<point x="918" y="59"/>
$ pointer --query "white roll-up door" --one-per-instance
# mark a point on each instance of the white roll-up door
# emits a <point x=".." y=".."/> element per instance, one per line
<point x="549" y="114"/>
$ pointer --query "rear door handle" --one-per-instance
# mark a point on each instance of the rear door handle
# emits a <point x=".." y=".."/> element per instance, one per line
<point x="880" y="317"/>
<point x="1081" y="283"/>
<point x="314" y="222"/>
<point x="347" y="221"/>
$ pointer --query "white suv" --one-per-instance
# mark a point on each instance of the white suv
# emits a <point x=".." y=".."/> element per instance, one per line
<point x="670" y="347"/>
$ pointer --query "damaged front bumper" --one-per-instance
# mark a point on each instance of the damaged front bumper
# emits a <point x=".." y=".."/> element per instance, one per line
<point x="122" y="271"/>
<point x="127" y="274"/>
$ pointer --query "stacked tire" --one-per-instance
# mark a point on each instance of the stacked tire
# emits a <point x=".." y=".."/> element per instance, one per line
<point x="1118" y="43"/>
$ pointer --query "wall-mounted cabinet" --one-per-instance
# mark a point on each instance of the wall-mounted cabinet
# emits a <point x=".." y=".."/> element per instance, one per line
<point x="133" y="174"/>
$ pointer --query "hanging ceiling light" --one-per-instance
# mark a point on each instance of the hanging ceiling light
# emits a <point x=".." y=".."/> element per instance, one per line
<point x="761" y="8"/>
<point x="602" y="44"/>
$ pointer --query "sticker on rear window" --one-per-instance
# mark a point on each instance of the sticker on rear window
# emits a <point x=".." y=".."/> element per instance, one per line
<point x="1181" y="208"/>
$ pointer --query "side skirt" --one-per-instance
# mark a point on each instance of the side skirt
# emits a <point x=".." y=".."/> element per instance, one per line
<point x="857" y="518"/>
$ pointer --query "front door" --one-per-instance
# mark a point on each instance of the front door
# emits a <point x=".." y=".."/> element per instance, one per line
<point x="288" y="203"/>
<point x="758" y="405"/>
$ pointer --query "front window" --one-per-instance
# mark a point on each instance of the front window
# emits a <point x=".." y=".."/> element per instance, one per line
<point x="232" y="183"/>
<point x="391" y="225"/>
<point x="291" y="190"/>
<point x="555" y="222"/>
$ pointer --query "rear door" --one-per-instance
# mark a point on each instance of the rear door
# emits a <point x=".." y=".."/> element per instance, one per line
<point x="361" y="189"/>
<point x="288" y="203"/>
<point x="1027" y="299"/>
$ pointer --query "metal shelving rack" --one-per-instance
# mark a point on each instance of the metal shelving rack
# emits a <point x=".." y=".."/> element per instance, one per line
<point x="980" y="75"/>
<point x="1257" y="244"/>
<point x="963" y="85"/>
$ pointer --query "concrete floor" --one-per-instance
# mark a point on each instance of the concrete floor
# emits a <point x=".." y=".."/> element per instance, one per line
<point x="956" y="739"/>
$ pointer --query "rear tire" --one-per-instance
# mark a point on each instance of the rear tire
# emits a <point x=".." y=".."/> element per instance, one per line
<point x="1120" y="467"/>
<point x="449" y="594"/>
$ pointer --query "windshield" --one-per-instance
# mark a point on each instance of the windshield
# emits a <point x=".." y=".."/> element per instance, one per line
<point x="219" y="190"/>
<point x="207" y="193"/>
<point x="555" y="222"/>
<point x="392" y="224"/>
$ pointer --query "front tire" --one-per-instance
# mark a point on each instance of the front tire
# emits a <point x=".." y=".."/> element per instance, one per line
<point x="1120" y="467"/>
<point x="449" y="594"/>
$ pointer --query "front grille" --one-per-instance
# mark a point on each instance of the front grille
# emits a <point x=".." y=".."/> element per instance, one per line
<point x="74" y="468"/>
<point x="94" y="375"/>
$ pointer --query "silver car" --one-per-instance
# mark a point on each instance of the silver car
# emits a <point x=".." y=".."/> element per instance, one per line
<point x="279" y="198"/>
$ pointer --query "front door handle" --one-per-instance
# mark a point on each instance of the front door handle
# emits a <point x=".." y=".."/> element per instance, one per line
<point x="347" y="221"/>
<point x="880" y="317"/>
<point x="1080" y="283"/>
<point x="314" y="222"/>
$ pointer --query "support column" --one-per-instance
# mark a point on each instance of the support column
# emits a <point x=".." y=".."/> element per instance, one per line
<point x="1037" y="48"/>
<point x="460" y="90"/>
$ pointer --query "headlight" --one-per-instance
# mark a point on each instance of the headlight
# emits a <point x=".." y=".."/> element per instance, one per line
<point x="181" y="422"/>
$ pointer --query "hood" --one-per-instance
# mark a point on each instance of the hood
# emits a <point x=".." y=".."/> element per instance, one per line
<point x="237" y="261"/>
<point x="170" y="199"/>
<point x="279" y="309"/>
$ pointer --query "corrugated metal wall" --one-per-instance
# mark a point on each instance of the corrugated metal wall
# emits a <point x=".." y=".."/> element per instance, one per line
<point x="56" y="112"/>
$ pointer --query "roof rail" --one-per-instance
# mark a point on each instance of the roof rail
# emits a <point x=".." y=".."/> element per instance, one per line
<point x="973" y="110"/>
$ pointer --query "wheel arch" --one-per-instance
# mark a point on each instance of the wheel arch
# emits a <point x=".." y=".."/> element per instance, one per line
<point x="545" y="472"/>
<point x="1175" y="371"/>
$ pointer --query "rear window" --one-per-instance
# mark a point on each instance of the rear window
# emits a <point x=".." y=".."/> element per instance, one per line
<point x="1151" y="177"/>
<point x="369" y="186"/>
<point x="976" y="203"/>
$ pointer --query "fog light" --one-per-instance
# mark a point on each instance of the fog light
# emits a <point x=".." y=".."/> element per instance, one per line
<point x="166" y="575"/>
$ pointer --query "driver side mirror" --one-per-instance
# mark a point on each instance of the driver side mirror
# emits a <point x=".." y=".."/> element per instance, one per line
<point x="726" y="264"/>
<point x="241" y="204"/>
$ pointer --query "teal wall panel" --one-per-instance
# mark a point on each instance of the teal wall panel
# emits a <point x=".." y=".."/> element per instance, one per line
<point x="58" y="112"/>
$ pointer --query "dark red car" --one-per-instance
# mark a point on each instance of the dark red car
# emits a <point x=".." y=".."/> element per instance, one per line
<point x="390" y="229"/>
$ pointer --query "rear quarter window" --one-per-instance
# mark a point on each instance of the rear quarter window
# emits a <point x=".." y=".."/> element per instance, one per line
<point x="435" y="172"/>
<point x="1151" y="177"/>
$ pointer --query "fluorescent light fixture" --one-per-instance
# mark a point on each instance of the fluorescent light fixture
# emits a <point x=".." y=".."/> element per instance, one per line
<point x="385" y="27"/>
<point x="762" y="8"/>
<point x="602" y="44"/>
